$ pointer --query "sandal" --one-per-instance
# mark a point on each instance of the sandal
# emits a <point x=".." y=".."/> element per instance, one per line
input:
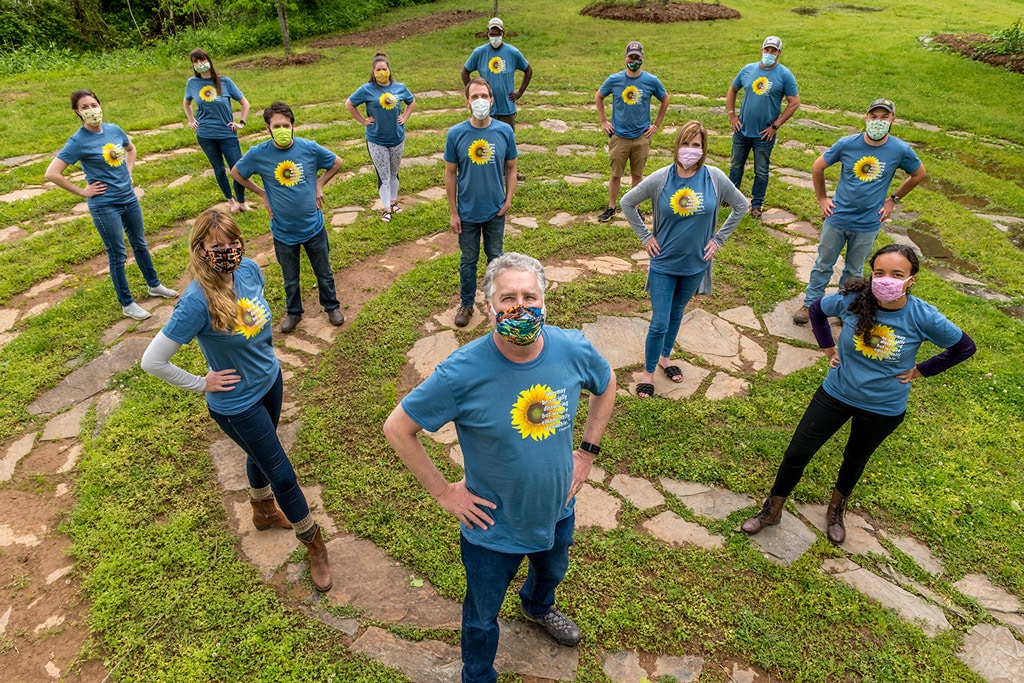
<point x="385" y="217"/>
<point x="644" y="390"/>
<point x="673" y="373"/>
<point x="395" y="208"/>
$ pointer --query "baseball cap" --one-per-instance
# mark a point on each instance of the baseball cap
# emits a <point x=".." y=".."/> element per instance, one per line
<point x="635" y="48"/>
<point x="496" y="22"/>
<point x="882" y="103"/>
<point x="772" y="41"/>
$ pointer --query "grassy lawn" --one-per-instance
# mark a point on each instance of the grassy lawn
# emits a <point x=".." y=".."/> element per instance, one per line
<point x="148" y="507"/>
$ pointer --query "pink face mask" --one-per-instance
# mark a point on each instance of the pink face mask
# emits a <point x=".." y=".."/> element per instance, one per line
<point x="689" y="156"/>
<point x="887" y="289"/>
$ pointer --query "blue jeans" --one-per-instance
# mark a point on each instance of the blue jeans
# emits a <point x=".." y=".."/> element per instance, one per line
<point x="741" y="147"/>
<point x="858" y="245"/>
<point x="669" y="296"/>
<point x="255" y="431"/>
<point x="469" y="244"/>
<point x="318" y="251"/>
<point x="230" y="151"/>
<point x="488" y="575"/>
<point x="112" y="222"/>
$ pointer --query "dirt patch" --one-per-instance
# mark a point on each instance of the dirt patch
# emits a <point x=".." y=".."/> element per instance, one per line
<point x="404" y="29"/>
<point x="657" y="13"/>
<point x="972" y="46"/>
<point x="300" y="59"/>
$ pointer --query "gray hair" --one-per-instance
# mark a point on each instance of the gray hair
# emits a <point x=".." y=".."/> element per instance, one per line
<point x="511" y="260"/>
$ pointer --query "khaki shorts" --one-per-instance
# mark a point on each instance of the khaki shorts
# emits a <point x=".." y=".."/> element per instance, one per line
<point x="510" y="119"/>
<point x="635" y="151"/>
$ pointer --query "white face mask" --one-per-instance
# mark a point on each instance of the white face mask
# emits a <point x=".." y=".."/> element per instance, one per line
<point x="481" y="109"/>
<point x="495" y="41"/>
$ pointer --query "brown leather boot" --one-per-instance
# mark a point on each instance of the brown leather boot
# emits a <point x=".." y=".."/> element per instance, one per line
<point x="834" y="517"/>
<point x="265" y="515"/>
<point x="770" y="515"/>
<point x="319" y="569"/>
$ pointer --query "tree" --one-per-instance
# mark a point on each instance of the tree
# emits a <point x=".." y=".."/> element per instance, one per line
<point x="282" y="19"/>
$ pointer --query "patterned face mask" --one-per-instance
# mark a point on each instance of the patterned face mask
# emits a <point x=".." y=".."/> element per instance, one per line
<point x="225" y="260"/>
<point x="201" y="67"/>
<point x="877" y="128"/>
<point x="93" y="117"/>
<point x="519" y="325"/>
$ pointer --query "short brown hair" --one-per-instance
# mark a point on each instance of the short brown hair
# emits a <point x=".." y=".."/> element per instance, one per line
<point x="479" y="80"/>
<point x="686" y="132"/>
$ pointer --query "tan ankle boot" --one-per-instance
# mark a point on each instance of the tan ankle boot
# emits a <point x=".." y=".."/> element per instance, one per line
<point x="770" y="515"/>
<point x="265" y="515"/>
<point x="834" y="514"/>
<point x="319" y="568"/>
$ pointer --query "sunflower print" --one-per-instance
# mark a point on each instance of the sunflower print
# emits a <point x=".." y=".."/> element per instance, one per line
<point x="113" y="154"/>
<point x="481" y="152"/>
<point x="761" y="86"/>
<point x="387" y="101"/>
<point x="685" y="202"/>
<point x="288" y="173"/>
<point x="252" y="317"/>
<point x="631" y="95"/>
<point x="867" y="169"/>
<point x="496" y="65"/>
<point x="878" y="344"/>
<point x="208" y="93"/>
<point x="537" y="412"/>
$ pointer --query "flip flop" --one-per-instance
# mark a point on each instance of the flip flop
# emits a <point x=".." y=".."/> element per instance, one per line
<point x="395" y="208"/>
<point x="644" y="390"/>
<point x="673" y="373"/>
<point x="385" y="217"/>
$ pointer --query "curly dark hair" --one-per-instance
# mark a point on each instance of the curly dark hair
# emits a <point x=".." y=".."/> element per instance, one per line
<point x="865" y="306"/>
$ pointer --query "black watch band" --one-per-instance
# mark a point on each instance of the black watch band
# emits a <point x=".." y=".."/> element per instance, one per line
<point x="774" y="125"/>
<point x="589" y="447"/>
<point x="895" y="198"/>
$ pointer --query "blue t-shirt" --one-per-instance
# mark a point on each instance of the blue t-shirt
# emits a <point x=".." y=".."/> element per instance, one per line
<point x="498" y="67"/>
<point x="248" y="348"/>
<point x="213" y="111"/>
<point x="866" y="376"/>
<point x="384" y="104"/>
<point x="864" y="181"/>
<point x="763" y="90"/>
<point x="481" y="154"/>
<point x="515" y="427"/>
<point x="289" y="179"/>
<point x="631" y="101"/>
<point x="104" y="159"/>
<point x="686" y="222"/>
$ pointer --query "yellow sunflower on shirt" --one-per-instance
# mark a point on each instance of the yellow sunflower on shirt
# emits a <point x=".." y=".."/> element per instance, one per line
<point x="685" y="202"/>
<point x="880" y="343"/>
<point x="496" y="65"/>
<point x="537" y="412"/>
<point x="480" y="152"/>
<point x="388" y="101"/>
<point x="113" y="154"/>
<point x="208" y="93"/>
<point x="252" y="316"/>
<point x="761" y="86"/>
<point x="288" y="173"/>
<point x="867" y="169"/>
<point x="631" y="95"/>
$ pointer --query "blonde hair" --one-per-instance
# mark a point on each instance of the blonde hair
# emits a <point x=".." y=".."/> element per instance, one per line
<point x="686" y="133"/>
<point x="220" y="297"/>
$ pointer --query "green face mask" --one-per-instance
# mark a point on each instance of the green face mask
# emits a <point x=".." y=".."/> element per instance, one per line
<point x="282" y="136"/>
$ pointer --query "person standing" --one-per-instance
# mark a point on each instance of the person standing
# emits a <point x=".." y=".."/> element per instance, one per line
<point x="630" y="130"/>
<point x="385" y="127"/>
<point x="497" y="63"/>
<point x="223" y="308"/>
<point x="513" y="397"/>
<point x="294" y="198"/>
<point x="764" y="84"/>
<point x="107" y="156"/>
<point x="214" y="123"/>
<point x="862" y="201"/>
<point x="869" y="376"/>
<point x="479" y="180"/>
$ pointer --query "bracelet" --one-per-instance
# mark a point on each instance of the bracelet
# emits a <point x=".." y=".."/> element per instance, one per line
<point x="589" y="447"/>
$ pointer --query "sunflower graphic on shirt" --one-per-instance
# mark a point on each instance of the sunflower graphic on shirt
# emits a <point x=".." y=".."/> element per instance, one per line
<point x="481" y="152"/>
<point x="387" y="101"/>
<point x="252" y="317"/>
<point x="631" y="95"/>
<point x="288" y="173"/>
<point x="537" y="412"/>
<point x="880" y="343"/>
<point x="761" y="86"/>
<point x="208" y="93"/>
<point x="685" y="202"/>
<point x="868" y="168"/>
<point x="113" y="154"/>
<point x="496" y="65"/>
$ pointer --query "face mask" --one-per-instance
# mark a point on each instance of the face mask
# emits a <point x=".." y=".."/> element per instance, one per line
<point x="382" y="76"/>
<point x="481" y="109"/>
<point x="519" y="325"/>
<point x="282" y="136"/>
<point x="225" y="260"/>
<point x="689" y="156"/>
<point x="93" y="117"/>
<point x="201" y="67"/>
<point x="495" y="41"/>
<point x="877" y="128"/>
<point x="634" y="66"/>
<point x="887" y="289"/>
<point x="768" y="60"/>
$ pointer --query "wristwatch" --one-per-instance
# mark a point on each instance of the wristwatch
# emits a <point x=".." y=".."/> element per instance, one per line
<point x="241" y="122"/>
<point x="895" y="198"/>
<point x="774" y="125"/>
<point x="589" y="447"/>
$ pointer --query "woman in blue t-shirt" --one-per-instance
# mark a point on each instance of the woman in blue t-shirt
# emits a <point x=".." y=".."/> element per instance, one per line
<point x="107" y="156"/>
<point x="224" y="310"/>
<point x="385" y="127"/>
<point x="869" y="377"/>
<point x="214" y="122"/>
<point x="685" y="197"/>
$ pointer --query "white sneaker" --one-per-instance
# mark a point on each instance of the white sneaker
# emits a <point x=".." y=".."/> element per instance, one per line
<point x="133" y="310"/>
<point x="165" y="292"/>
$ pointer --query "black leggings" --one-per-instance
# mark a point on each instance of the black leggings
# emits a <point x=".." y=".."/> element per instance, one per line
<point x="823" y="418"/>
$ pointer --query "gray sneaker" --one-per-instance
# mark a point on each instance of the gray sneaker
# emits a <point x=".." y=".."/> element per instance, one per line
<point x="161" y="291"/>
<point x="560" y="627"/>
<point x="133" y="310"/>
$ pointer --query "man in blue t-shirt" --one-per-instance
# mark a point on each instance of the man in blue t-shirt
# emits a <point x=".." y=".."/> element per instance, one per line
<point x="294" y="198"/>
<point x="497" y="63"/>
<point x="513" y="396"/>
<point x="480" y="180"/>
<point x="853" y="218"/>
<point x="630" y="130"/>
<point x="764" y="84"/>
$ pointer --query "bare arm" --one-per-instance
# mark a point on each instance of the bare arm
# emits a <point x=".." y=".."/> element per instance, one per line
<point x="527" y="76"/>
<point x="792" y="104"/>
<point x="510" y="185"/>
<point x="465" y="76"/>
<point x="189" y="115"/>
<point x="236" y="125"/>
<point x="252" y="187"/>
<point x="325" y="178"/>
<point x="730" y="107"/>
<point x="906" y="186"/>
<point x="130" y="154"/>
<point x="599" y="103"/>
<point x="55" y="174"/>
<point x="818" y="178"/>
<point x="598" y="414"/>
<point x="404" y="116"/>
<point x="357" y="115"/>
<point x="451" y="189"/>
<point x="662" y="110"/>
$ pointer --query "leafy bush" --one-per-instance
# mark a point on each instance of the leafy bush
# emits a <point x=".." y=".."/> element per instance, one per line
<point x="1007" y="41"/>
<point x="36" y="22"/>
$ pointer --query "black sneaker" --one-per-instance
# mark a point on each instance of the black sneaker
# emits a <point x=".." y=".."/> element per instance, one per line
<point x="606" y="216"/>
<point x="560" y="627"/>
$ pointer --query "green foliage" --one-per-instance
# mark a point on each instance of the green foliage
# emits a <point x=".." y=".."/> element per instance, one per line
<point x="36" y="22"/>
<point x="1006" y="41"/>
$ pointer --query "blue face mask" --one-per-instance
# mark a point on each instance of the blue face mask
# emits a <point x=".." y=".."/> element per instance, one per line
<point x="768" y="59"/>
<point x="519" y="325"/>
